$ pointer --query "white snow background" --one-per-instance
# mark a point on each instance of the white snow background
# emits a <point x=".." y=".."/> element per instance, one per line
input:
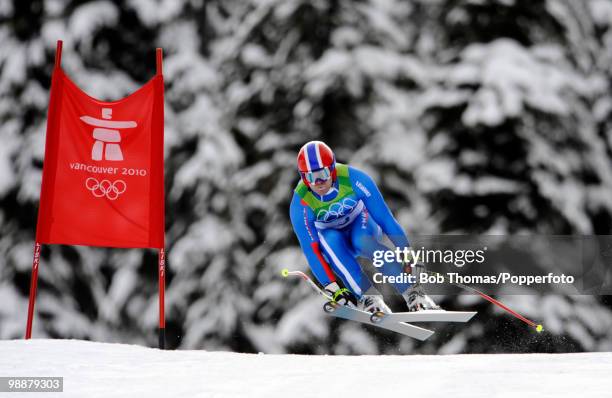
<point x="119" y="370"/>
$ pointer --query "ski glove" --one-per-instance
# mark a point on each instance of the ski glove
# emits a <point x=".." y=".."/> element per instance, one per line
<point x="413" y="267"/>
<point x="340" y="295"/>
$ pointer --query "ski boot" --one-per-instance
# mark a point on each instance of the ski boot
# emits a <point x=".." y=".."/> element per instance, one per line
<point x="375" y="306"/>
<point x="417" y="300"/>
<point x="339" y="296"/>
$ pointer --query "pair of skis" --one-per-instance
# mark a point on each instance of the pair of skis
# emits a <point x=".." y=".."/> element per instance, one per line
<point x="398" y="322"/>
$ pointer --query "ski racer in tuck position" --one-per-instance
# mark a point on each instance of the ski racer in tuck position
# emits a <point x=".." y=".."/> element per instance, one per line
<point x="338" y="215"/>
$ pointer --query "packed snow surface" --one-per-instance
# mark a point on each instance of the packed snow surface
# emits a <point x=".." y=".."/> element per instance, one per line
<point x="117" y="370"/>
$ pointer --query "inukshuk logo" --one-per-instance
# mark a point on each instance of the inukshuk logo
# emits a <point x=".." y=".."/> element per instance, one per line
<point x="107" y="136"/>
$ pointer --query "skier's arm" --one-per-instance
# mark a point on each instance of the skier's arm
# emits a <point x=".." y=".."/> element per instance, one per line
<point x="367" y="190"/>
<point x="302" y="219"/>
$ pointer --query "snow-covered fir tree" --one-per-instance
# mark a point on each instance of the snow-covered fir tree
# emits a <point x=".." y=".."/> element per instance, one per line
<point x="478" y="116"/>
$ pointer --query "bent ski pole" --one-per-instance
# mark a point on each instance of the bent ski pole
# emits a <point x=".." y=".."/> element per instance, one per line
<point x="285" y="273"/>
<point x="538" y="327"/>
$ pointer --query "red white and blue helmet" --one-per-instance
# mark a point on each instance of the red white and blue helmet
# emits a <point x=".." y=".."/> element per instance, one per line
<point x="315" y="156"/>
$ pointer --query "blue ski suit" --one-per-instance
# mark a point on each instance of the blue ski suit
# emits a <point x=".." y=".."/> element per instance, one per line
<point x="355" y="230"/>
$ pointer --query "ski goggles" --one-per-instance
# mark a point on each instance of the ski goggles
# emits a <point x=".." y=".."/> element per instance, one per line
<point x="317" y="176"/>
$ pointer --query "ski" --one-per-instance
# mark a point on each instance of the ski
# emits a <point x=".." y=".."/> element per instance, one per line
<point x="426" y="316"/>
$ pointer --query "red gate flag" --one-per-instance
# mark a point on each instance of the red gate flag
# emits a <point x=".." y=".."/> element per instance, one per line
<point x="103" y="172"/>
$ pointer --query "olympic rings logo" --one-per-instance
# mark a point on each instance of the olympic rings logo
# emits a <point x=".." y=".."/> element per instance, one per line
<point x="111" y="190"/>
<point x="337" y="210"/>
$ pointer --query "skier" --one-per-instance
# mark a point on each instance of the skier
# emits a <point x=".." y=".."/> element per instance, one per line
<point x="338" y="214"/>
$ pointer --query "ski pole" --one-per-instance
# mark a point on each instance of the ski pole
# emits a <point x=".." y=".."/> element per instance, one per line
<point x="285" y="273"/>
<point x="538" y="327"/>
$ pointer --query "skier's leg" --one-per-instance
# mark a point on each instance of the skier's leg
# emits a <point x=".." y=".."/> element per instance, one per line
<point x="337" y="250"/>
<point x="366" y="237"/>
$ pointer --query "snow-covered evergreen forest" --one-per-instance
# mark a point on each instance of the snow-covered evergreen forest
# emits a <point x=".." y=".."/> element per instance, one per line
<point x="473" y="116"/>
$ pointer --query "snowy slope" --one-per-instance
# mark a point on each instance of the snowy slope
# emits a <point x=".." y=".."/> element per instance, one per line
<point x="117" y="370"/>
